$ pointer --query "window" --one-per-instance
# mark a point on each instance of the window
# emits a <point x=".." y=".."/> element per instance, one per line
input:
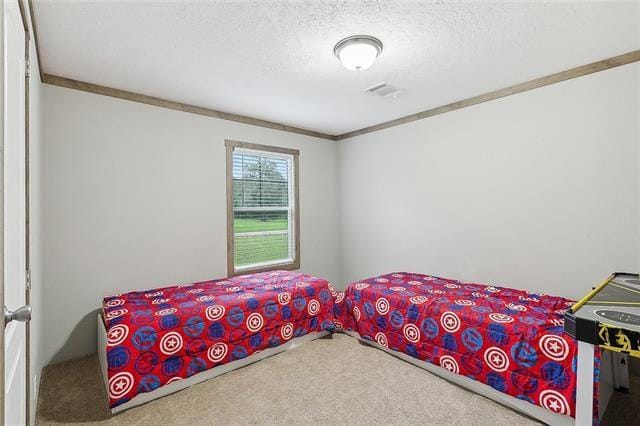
<point x="262" y="208"/>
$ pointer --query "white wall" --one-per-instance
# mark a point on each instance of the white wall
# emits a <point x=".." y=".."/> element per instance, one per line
<point x="135" y="198"/>
<point x="537" y="191"/>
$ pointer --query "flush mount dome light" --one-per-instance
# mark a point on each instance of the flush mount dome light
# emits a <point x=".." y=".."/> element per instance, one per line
<point x="358" y="52"/>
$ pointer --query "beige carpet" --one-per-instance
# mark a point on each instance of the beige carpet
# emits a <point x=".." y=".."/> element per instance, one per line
<point x="334" y="380"/>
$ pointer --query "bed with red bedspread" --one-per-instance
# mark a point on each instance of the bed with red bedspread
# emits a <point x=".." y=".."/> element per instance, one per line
<point x="158" y="336"/>
<point x="509" y="339"/>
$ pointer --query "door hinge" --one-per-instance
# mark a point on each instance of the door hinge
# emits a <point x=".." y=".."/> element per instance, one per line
<point x="28" y="68"/>
<point x="28" y="279"/>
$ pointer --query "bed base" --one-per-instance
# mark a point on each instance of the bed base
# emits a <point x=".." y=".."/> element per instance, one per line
<point x="178" y="385"/>
<point x="524" y="407"/>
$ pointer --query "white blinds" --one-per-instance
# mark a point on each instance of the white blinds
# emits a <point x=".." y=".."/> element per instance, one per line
<point x="263" y="222"/>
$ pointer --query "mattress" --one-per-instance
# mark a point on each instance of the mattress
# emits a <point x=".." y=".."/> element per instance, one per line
<point x="161" y="335"/>
<point x="511" y="340"/>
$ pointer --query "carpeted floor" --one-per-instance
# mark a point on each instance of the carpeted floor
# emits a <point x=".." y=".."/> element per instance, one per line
<point x="334" y="380"/>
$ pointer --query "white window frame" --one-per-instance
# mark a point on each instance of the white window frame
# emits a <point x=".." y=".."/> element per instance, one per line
<point x="293" y="211"/>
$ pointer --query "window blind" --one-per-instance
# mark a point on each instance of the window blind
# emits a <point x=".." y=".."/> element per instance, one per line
<point x="263" y="210"/>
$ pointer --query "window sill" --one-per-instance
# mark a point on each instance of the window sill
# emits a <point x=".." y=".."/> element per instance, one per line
<point x="289" y="266"/>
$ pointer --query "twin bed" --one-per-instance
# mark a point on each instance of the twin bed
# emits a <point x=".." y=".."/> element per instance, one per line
<point x="155" y="342"/>
<point x="506" y="344"/>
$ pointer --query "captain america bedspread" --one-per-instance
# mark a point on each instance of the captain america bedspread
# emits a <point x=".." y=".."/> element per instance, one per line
<point x="155" y="337"/>
<point x="509" y="339"/>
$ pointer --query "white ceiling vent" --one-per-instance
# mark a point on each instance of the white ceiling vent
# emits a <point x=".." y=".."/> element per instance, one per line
<point x="384" y="90"/>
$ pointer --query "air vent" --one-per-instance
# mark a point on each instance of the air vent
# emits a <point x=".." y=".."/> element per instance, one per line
<point x="384" y="90"/>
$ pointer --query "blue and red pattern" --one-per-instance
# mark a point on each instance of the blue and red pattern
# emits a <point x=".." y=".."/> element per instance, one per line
<point x="511" y="340"/>
<point x="161" y="335"/>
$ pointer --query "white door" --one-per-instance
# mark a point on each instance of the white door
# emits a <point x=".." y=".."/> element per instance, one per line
<point x="15" y="386"/>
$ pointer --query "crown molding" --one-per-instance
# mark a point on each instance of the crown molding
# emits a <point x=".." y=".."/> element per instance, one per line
<point x="178" y="106"/>
<point x="569" y="74"/>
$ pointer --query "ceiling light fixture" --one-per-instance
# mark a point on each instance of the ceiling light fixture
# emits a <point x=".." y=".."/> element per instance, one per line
<point x="358" y="52"/>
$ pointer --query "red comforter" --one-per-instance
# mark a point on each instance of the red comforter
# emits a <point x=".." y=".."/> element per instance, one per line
<point x="166" y="334"/>
<point x="511" y="340"/>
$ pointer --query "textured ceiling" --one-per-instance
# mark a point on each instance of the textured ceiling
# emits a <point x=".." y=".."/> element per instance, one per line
<point x="274" y="60"/>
